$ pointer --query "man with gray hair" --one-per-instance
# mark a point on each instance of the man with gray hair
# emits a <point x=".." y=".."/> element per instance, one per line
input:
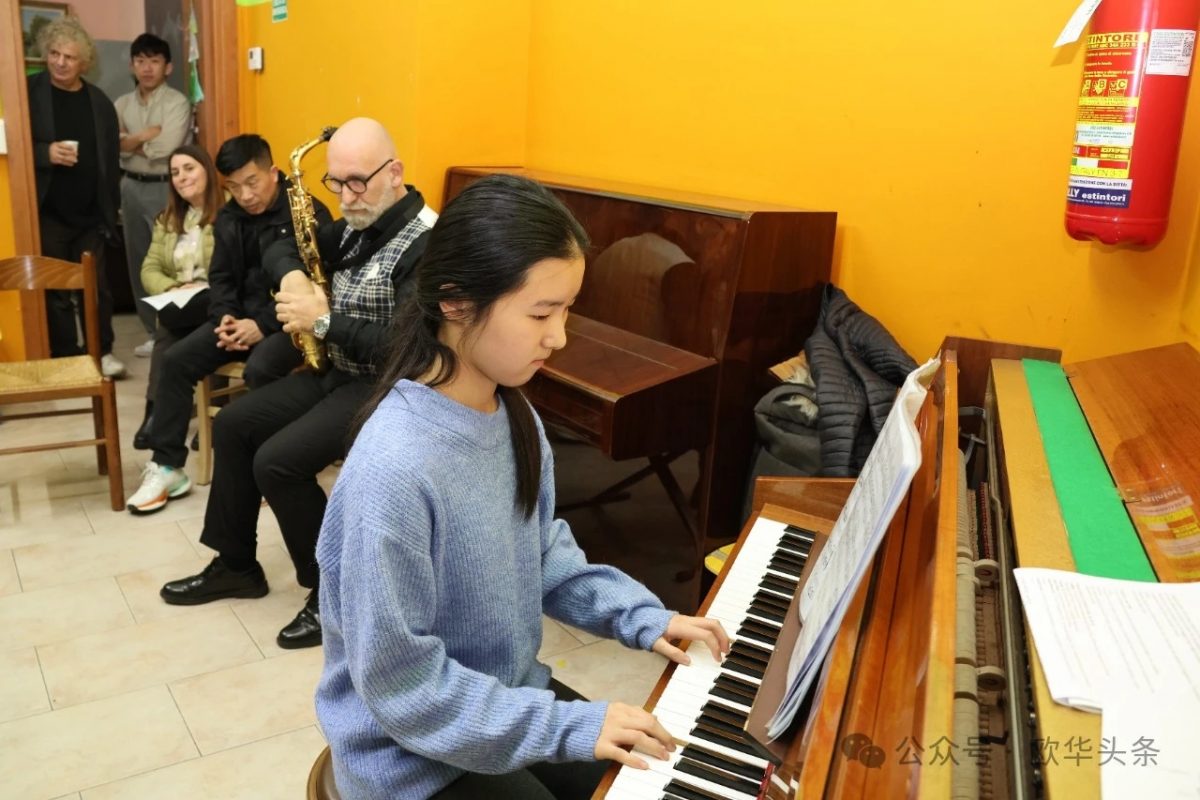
<point x="271" y="443"/>
<point x="75" y="145"/>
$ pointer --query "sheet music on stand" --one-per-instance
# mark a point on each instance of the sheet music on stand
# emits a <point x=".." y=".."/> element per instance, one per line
<point x="856" y="535"/>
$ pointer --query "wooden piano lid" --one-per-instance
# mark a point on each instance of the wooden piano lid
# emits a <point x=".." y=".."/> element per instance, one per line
<point x="1144" y="411"/>
<point x="1040" y="538"/>
<point x="694" y="201"/>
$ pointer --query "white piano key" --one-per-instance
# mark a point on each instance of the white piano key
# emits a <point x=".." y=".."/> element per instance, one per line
<point x="690" y="686"/>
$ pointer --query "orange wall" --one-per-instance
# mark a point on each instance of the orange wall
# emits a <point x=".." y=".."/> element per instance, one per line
<point x="940" y="133"/>
<point x="12" y="337"/>
<point x="447" y="79"/>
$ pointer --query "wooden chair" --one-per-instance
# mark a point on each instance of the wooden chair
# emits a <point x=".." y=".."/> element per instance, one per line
<point x="65" y="378"/>
<point x="205" y="411"/>
<point x="320" y="779"/>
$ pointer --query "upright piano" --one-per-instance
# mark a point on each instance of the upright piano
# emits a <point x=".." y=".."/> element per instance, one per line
<point x="932" y="688"/>
<point x="687" y="300"/>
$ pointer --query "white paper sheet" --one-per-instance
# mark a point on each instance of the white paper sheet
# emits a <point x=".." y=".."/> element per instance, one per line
<point x="1130" y="650"/>
<point x="877" y="494"/>
<point x="1102" y="640"/>
<point x="179" y="297"/>
<point x="1077" y="22"/>
<point x="1149" y="748"/>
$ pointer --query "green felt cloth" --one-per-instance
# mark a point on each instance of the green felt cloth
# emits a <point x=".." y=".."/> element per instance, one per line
<point x="1102" y="538"/>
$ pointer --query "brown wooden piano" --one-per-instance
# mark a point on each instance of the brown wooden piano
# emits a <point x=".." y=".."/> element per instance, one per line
<point x="687" y="300"/>
<point x="932" y="688"/>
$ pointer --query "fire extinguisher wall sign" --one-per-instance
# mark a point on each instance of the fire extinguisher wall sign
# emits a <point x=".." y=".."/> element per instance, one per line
<point x="1129" y="119"/>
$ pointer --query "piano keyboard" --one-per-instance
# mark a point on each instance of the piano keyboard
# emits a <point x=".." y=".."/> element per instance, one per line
<point x="704" y="705"/>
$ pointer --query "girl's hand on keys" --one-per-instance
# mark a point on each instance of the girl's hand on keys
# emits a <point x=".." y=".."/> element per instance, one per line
<point x="695" y="629"/>
<point x="627" y="726"/>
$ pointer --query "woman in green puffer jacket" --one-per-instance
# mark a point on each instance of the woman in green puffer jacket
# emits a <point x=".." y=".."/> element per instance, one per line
<point x="178" y="258"/>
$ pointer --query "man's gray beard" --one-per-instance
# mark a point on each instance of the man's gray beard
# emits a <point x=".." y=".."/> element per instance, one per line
<point x="362" y="218"/>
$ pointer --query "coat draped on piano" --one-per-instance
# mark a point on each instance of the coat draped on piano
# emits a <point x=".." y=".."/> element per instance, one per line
<point x="857" y="367"/>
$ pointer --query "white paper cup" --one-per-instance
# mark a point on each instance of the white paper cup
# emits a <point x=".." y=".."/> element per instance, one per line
<point x="71" y="143"/>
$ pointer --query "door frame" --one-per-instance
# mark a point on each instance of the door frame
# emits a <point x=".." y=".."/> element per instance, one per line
<point x="22" y="186"/>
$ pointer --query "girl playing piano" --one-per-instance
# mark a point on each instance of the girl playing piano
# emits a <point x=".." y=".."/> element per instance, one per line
<point x="439" y="551"/>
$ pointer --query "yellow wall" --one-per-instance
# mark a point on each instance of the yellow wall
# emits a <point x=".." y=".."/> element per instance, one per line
<point x="447" y="79"/>
<point x="939" y="132"/>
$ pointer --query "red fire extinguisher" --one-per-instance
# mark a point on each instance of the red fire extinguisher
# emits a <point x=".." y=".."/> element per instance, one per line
<point x="1130" y="119"/>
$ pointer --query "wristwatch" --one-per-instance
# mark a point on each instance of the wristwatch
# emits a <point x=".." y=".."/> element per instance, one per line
<point x="321" y="326"/>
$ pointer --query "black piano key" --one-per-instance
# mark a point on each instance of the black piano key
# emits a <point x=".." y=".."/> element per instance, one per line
<point x="725" y="740"/>
<point x="741" y="693"/>
<point x="779" y="585"/>
<point x="766" y="612"/>
<point x="801" y="558"/>
<point x="793" y="564"/>
<point x="746" y="651"/>
<point x="721" y="726"/>
<point x="798" y="553"/>
<point x="766" y="602"/>
<point x="786" y="567"/>
<point x="746" y="668"/>
<point x="677" y="789"/>
<point x="795" y="540"/>
<point x="799" y="533"/>
<point x="698" y="753"/>
<point x="788" y="554"/>
<point x="770" y="613"/>
<point x="737" y="684"/>
<point x="752" y="650"/>
<point x="733" y="697"/>
<point x="751" y="631"/>
<point x="768" y="599"/>
<point x="730" y="715"/>
<point x="731" y="782"/>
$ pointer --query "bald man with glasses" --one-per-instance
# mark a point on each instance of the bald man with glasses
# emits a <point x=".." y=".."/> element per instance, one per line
<point x="272" y="442"/>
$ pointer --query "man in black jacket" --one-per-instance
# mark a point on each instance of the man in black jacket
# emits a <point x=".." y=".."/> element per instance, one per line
<point x="272" y="442"/>
<point x="244" y="327"/>
<point x="75" y="145"/>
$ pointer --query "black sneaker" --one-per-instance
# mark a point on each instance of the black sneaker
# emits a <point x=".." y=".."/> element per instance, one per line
<point x="216" y="582"/>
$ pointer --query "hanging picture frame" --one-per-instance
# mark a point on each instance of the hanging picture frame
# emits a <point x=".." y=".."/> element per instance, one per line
<point x="35" y="14"/>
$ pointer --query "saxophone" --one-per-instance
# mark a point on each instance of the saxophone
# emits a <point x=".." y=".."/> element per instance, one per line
<point x="304" y="220"/>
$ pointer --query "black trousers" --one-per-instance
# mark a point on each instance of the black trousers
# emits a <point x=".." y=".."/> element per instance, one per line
<point x="573" y="780"/>
<point x="60" y="240"/>
<point x="271" y="443"/>
<point x="189" y="360"/>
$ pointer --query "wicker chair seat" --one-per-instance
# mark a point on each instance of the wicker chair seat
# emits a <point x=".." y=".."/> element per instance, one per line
<point x="48" y="374"/>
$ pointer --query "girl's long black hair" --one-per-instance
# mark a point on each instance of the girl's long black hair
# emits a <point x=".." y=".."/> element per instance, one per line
<point x="479" y="250"/>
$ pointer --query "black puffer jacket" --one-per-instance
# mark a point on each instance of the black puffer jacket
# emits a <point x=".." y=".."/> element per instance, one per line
<point x="238" y="284"/>
<point x="857" y="367"/>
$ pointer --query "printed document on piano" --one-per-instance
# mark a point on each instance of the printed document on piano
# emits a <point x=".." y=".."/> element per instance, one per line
<point x="877" y="494"/>
<point x="1101" y="638"/>
<point x="1129" y="650"/>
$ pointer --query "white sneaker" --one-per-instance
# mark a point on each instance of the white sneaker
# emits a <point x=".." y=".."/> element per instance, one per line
<point x="111" y="366"/>
<point x="145" y="349"/>
<point x="159" y="484"/>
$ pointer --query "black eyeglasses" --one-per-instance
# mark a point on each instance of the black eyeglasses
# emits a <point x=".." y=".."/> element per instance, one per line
<point x="355" y="184"/>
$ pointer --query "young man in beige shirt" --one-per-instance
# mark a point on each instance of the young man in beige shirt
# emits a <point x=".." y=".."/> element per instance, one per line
<point x="154" y="120"/>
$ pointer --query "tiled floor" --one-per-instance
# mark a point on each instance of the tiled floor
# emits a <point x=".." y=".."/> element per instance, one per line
<point x="106" y="693"/>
